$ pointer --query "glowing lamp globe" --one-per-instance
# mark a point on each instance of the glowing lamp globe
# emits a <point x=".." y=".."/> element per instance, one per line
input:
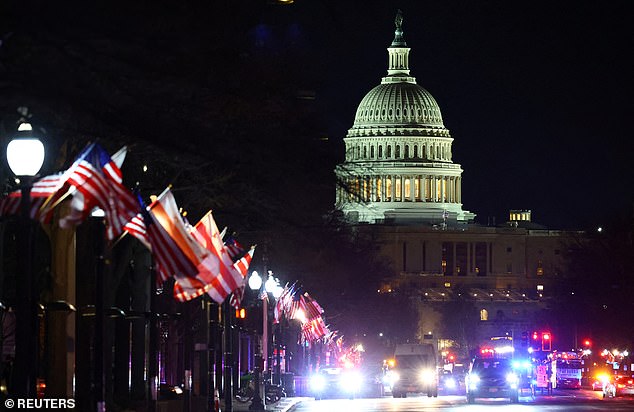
<point x="270" y="284"/>
<point x="255" y="281"/>
<point x="25" y="153"/>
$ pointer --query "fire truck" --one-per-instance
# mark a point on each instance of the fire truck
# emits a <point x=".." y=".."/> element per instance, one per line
<point x="567" y="367"/>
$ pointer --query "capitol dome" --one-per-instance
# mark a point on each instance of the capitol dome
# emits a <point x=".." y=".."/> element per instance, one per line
<point x="398" y="103"/>
<point x="399" y="165"/>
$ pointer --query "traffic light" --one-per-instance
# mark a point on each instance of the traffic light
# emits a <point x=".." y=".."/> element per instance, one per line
<point x="546" y="341"/>
<point x="587" y="343"/>
<point x="535" y="336"/>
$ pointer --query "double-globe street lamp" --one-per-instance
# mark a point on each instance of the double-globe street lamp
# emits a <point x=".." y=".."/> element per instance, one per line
<point x="272" y="287"/>
<point x="25" y="156"/>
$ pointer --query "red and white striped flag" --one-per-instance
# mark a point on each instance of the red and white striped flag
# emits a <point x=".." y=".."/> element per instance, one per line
<point x="228" y="278"/>
<point x="95" y="180"/>
<point x="188" y="284"/>
<point x="168" y="257"/>
<point x="40" y="192"/>
<point x="242" y="266"/>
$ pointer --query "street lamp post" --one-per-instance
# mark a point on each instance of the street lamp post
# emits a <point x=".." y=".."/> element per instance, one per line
<point x="255" y="283"/>
<point x="25" y="156"/>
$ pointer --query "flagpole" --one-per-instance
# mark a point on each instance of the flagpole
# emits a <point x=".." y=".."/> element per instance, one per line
<point x="228" y="390"/>
<point x="153" y="344"/>
<point x="99" y="369"/>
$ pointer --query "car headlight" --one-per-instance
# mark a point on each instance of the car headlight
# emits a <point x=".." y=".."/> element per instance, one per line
<point x="512" y="379"/>
<point x="427" y="376"/>
<point x="474" y="380"/>
<point x="390" y="378"/>
<point x="450" y="383"/>
<point x="350" y="382"/>
<point x="317" y="383"/>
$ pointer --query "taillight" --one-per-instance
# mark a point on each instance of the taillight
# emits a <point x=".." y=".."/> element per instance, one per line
<point x="620" y="386"/>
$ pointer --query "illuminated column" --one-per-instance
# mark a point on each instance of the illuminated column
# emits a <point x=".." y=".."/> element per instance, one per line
<point x="459" y="190"/>
<point x="425" y="190"/>
<point x="451" y="190"/>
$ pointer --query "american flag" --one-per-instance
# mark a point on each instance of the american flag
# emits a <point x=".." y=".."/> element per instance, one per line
<point x="40" y="192"/>
<point x="314" y="329"/>
<point x="283" y="304"/>
<point x="95" y="180"/>
<point x="234" y="249"/>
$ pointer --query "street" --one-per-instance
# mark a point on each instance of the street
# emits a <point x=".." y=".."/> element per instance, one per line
<point x="564" y="400"/>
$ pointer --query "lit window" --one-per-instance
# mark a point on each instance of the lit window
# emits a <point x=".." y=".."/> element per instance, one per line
<point x="484" y="314"/>
<point x="388" y="188"/>
<point x="540" y="288"/>
<point x="378" y="189"/>
<point x="447" y="284"/>
<point x="408" y="191"/>
<point x="540" y="268"/>
<point x="397" y="188"/>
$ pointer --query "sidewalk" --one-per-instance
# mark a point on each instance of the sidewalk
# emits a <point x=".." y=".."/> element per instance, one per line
<point x="284" y="405"/>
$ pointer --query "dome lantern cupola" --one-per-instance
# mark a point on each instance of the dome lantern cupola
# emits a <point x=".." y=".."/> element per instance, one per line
<point x="398" y="64"/>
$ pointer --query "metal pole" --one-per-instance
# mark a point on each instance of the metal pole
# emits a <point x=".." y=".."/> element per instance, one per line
<point x="26" y="315"/>
<point x="256" y="402"/>
<point x="153" y="345"/>
<point x="228" y="364"/>
<point x="211" y="387"/>
<point x="265" y="335"/>
<point x="100" y="321"/>
<point x="278" y="355"/>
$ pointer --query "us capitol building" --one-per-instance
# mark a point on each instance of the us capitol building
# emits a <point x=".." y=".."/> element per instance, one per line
<point x="400" y="182"/>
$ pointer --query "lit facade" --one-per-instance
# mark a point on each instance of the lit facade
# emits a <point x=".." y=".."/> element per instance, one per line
<point x="398" y="165"/>
<point x="399" y="181"/>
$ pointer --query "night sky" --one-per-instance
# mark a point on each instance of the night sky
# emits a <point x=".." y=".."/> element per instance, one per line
<point x="537" y="95"/>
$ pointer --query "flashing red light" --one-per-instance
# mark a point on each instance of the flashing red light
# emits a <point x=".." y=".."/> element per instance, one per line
<point x="546" y="336"/>
<point x="451" y="357"/>
<point x="586" y="342"/>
